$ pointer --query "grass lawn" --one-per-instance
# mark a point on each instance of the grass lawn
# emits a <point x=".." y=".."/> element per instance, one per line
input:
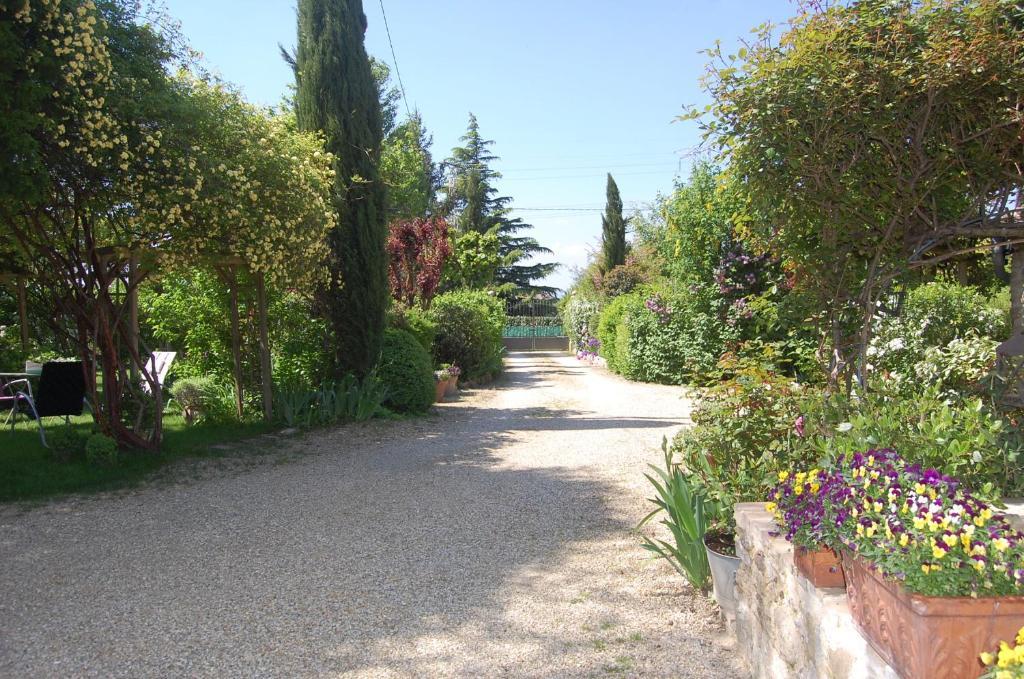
<point x="28" y="472"/>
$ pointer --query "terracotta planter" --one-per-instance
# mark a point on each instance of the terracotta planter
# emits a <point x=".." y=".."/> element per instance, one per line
<point x="926" y="637"/>
<point x="440" y="388"/>
<point x="452" y="386"/>
<point x="820" y="566"/>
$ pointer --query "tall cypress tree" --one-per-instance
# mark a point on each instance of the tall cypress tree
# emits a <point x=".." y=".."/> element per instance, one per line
<point x="336" y="94"/>
<point x="473" y="204"/>
<point x="613" y="229"/>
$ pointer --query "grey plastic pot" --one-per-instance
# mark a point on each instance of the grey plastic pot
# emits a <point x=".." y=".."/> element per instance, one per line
<point x="723" y="580"/>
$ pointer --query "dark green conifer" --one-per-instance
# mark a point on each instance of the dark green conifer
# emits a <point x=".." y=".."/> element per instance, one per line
<point x="336" y="93"/>
<point x="613" y="229"/>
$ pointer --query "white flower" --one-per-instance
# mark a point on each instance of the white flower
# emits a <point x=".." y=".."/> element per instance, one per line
<point x="845" y="426"/>
<point x="976" y="457"/>
<point x="896" y="344"/>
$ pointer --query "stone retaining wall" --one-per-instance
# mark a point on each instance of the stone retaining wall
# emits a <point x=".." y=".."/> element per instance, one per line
<point x="785" y="627"/>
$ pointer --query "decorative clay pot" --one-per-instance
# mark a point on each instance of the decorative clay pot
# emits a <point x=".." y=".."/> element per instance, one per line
<point x="452" y="386"/>
<point x="440" y="388"/>
<point x="820" y="566"/>
<point x="723" y="580"/>
<point x="927" y="637"/>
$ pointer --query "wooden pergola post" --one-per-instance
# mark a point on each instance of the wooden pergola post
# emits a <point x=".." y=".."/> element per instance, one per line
<point x="236" y="338"/>
<point x="133" y="310"/>
<point x="265" y="366"/>
<point x="23" y="313"/>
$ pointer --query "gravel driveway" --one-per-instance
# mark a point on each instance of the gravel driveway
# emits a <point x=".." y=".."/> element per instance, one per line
<point x="492" y="538"/>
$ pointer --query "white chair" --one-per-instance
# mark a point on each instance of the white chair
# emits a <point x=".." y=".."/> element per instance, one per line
<point x="157" y="367"/>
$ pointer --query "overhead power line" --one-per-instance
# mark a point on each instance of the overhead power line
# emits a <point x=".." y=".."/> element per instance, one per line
<point x="394" y="59"/>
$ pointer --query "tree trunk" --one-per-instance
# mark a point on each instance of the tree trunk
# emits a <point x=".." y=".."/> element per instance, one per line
<point x="1017" y="289"/>
<point x="266" y="377"/>
<point x="23" y="314"/>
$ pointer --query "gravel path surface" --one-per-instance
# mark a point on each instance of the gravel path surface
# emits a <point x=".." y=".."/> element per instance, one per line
<point x="493" y="538"/>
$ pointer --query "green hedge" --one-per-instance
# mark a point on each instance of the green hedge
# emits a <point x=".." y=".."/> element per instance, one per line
<point x="406" y="371"/>
<point x="469" y="328"/>
<point x="681" y="344"/>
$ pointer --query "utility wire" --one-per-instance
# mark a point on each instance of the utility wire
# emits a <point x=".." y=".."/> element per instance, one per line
<point x="394" y="60"/>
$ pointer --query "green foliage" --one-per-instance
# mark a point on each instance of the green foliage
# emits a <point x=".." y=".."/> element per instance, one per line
<point x="101" y="450"/>
<point x="933" y="315"/>
<point x="622" y="279"/>
<point x="474" y="261"/>
<point x="66" y="443"/>
<point x="202" y="399"/>
<point x="608" y="324"/>
<point x="579" y="319"/>
<point x="406" y="167"/>
<point x="613" y="229"/>
<point x="337" y="95"/>
<point x="744" y="433"/>
<point x="406" y="372"/>
<point x="469" y="329"/>
<point x="348" y="400"/>
<point x="415" y="321"/>
<point x="962" y="437"/>
<point x="918" y="93"/>
<point x="189" y="312"/>
<point x="664" y="335"/>
<point x="472" y="203"/>
<point x="688" y="512"/>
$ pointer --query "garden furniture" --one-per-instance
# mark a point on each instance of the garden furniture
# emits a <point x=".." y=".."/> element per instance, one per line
<point x="61" y="393"/>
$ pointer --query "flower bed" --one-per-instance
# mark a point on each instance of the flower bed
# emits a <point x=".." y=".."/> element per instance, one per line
<point x="934" y="574"/>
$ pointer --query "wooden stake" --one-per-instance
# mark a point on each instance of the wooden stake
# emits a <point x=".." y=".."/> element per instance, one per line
<point x="265" y="367"/>
<point x="236" y="339"/>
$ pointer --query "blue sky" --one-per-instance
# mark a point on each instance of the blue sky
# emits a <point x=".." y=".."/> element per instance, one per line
<point x="568" y="89"/>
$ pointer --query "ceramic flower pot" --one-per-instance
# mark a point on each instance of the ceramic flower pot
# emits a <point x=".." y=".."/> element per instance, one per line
<point x="821" y="566"/>
<point x="440" y="388"/>
<point x="723" y="579"/>
<point x="926" y="637"/>
<point x="452" y="386"/>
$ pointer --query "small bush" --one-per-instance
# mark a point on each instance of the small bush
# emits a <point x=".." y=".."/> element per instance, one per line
<point x="65" y="443"/>
<point x="101" y="450"/>
<point x="469" y="329"/>
<point x="202" y="398"/>
<point x="406" y="372"/>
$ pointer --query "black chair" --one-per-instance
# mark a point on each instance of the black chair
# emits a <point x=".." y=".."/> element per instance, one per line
<point x="61" y="393"/>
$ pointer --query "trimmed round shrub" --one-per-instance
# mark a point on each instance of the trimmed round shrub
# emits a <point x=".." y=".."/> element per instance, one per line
<point x="65" y="443"/>
<point x="406" y="372"/>
<point x="416" y="322"/>
<point x="469" y="328"/>
<point x="101" y="450"/>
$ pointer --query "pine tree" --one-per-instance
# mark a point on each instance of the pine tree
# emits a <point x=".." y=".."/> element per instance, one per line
<point x="336" y="93"/>
<point x="613" y="229"/>
<point x="472" y="203"/>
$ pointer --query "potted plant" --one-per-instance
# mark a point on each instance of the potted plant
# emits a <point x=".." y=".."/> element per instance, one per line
<point x="1006" y="662"/>
<point x="453" y="379"/>
<point x="933" y="573"/>
<point x="687" y="515"/>
<point x="720" y="545"/>
<point x="440" y="384"/>
<point x="799" y="503"/>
